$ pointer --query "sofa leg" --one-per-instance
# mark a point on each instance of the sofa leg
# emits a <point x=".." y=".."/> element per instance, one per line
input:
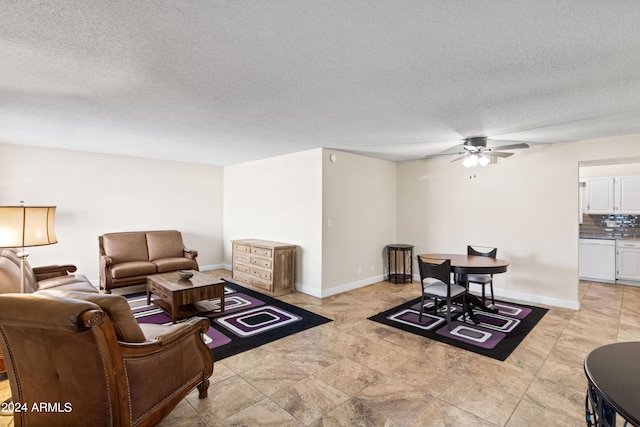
<point x="203" y="388"/>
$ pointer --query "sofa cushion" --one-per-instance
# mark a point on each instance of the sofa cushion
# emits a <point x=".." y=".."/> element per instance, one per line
<point x="10" y="266"/>
<point x="165" y="244"/>
<point x="73" y="282"/>
<point x="124" y="247"/>
<point x="172" y="264"/>
<point x="115" y="306"/>
<point x="9" y="276"/>
<point x="132" y="269"/>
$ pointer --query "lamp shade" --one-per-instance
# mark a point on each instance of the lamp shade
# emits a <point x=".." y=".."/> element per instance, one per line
<point x="22" y="226"/>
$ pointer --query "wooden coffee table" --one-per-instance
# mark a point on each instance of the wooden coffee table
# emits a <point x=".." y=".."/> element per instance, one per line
<point x="185" y="297"/>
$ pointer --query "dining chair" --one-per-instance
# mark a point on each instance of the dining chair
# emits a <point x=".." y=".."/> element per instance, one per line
<point x="435" y="282"/>
<point x="483" y="279"/>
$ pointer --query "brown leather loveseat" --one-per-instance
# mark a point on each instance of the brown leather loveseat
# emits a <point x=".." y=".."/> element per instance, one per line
<point x="84" y="361"/>
<point x="127" y="258"/>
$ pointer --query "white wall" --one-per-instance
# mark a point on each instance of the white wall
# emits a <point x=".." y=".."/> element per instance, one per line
<point x="291" y="198"/>
<point x="527" y="206"/>
<point x="96" y="193"/>
<point x="279" y="199"/>
<point x="358" y="196"/>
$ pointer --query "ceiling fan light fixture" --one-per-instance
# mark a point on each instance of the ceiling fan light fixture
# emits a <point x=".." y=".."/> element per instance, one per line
<point x="470" y="160"/>
<point x="484" y="160"/>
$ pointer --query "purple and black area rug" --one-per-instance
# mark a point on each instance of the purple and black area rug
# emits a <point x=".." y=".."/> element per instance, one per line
<point x="495" y="335"/>
<point x="250" y="319"/>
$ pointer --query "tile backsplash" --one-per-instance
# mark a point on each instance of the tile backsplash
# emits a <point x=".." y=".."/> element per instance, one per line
<point x="610" y="226"/>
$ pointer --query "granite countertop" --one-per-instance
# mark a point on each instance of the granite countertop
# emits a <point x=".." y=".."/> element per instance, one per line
<point x="598" y="237"/>
<point x="608" y="236"/>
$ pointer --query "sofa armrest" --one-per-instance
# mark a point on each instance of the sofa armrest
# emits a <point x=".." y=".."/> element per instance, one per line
<point x="106" y="261"/>
<point x="179" y="356"/>
<point x="165" y="334"/>
<point x="190" y="253"/>
<point x="49" y="271"/>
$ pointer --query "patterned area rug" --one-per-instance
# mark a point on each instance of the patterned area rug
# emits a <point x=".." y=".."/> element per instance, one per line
<point x="250" y="319"/>
<point x="496" y="335"/>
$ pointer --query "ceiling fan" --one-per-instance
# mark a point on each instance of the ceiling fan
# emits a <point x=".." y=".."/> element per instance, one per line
<point x="475" y="151"/>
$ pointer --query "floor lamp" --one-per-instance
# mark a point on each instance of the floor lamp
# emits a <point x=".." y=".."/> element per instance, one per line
<point x="23" y="226"/>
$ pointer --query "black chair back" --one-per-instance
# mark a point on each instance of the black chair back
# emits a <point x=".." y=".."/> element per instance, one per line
<point x="491" y="253"/>
<point x="436" y="268"/>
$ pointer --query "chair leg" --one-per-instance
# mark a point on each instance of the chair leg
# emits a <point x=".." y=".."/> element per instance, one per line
<point x="421" y="308"/>
<point x="449" y="314"/>
<point x="203" y="389"/>
<point x="464" y="308"/>
<point x="493" y="301"/>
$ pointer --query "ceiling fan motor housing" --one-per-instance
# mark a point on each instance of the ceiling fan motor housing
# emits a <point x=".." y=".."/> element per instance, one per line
<point x="476" y="142"/>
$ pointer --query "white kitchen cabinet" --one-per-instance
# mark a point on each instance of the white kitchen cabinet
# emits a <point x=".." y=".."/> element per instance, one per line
<point x="627" y="194"/>
<point x="600" y="195"/>
<point x="608" y="195"/>
<point x="628" y="260"/>
<point x="597" y="260"/>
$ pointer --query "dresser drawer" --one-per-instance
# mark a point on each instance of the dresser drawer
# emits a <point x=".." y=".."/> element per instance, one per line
<point x="266" y="252"/>
<point x="261" y="262"/>
<point x="242" y="277"/>
<point x="241" y="257"/>
<point x="262" y="284"/>
<point x="261" y="274"/>
<point x="241" y="268"/>
<point x="238" y="247"/>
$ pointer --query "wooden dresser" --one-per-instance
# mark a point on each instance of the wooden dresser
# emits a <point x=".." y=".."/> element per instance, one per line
<point x="268" y="267"/>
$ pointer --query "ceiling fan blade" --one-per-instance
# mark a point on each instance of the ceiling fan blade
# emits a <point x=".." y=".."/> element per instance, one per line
<point x="498" y="154"/>
<point x="459" y="158"/>
<point x="446" y="153"/>
<point x="511" y="146"/>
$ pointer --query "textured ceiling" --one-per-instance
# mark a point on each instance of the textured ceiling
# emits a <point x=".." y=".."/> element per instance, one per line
<point x="223" y="82"/>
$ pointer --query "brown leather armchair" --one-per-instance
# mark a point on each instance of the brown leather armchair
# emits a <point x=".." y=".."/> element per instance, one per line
<point x="81" y="359"/>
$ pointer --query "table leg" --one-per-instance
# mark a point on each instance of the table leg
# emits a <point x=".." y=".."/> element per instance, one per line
<point x="473" y="300"/>
<point x="174" y="310"/>
<point x="468" y="309"/>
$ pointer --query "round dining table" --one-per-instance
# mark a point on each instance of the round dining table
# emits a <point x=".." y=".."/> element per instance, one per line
<point x="471" y="264"/>
<point x="613" y="375"/>
<point x="463" y="265"/>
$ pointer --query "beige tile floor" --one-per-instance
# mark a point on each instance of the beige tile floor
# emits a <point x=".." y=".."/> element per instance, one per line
<point x="354" y="372"/>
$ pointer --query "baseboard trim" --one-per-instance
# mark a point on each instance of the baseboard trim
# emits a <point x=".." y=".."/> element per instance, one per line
<point x="323" y="293"/>
<point x="627" y="282"/>
<point x="596" y="279"/>
<point x="215" y="267"/>
<point x="525" y="297"/>
<point x="536" y="299"/>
